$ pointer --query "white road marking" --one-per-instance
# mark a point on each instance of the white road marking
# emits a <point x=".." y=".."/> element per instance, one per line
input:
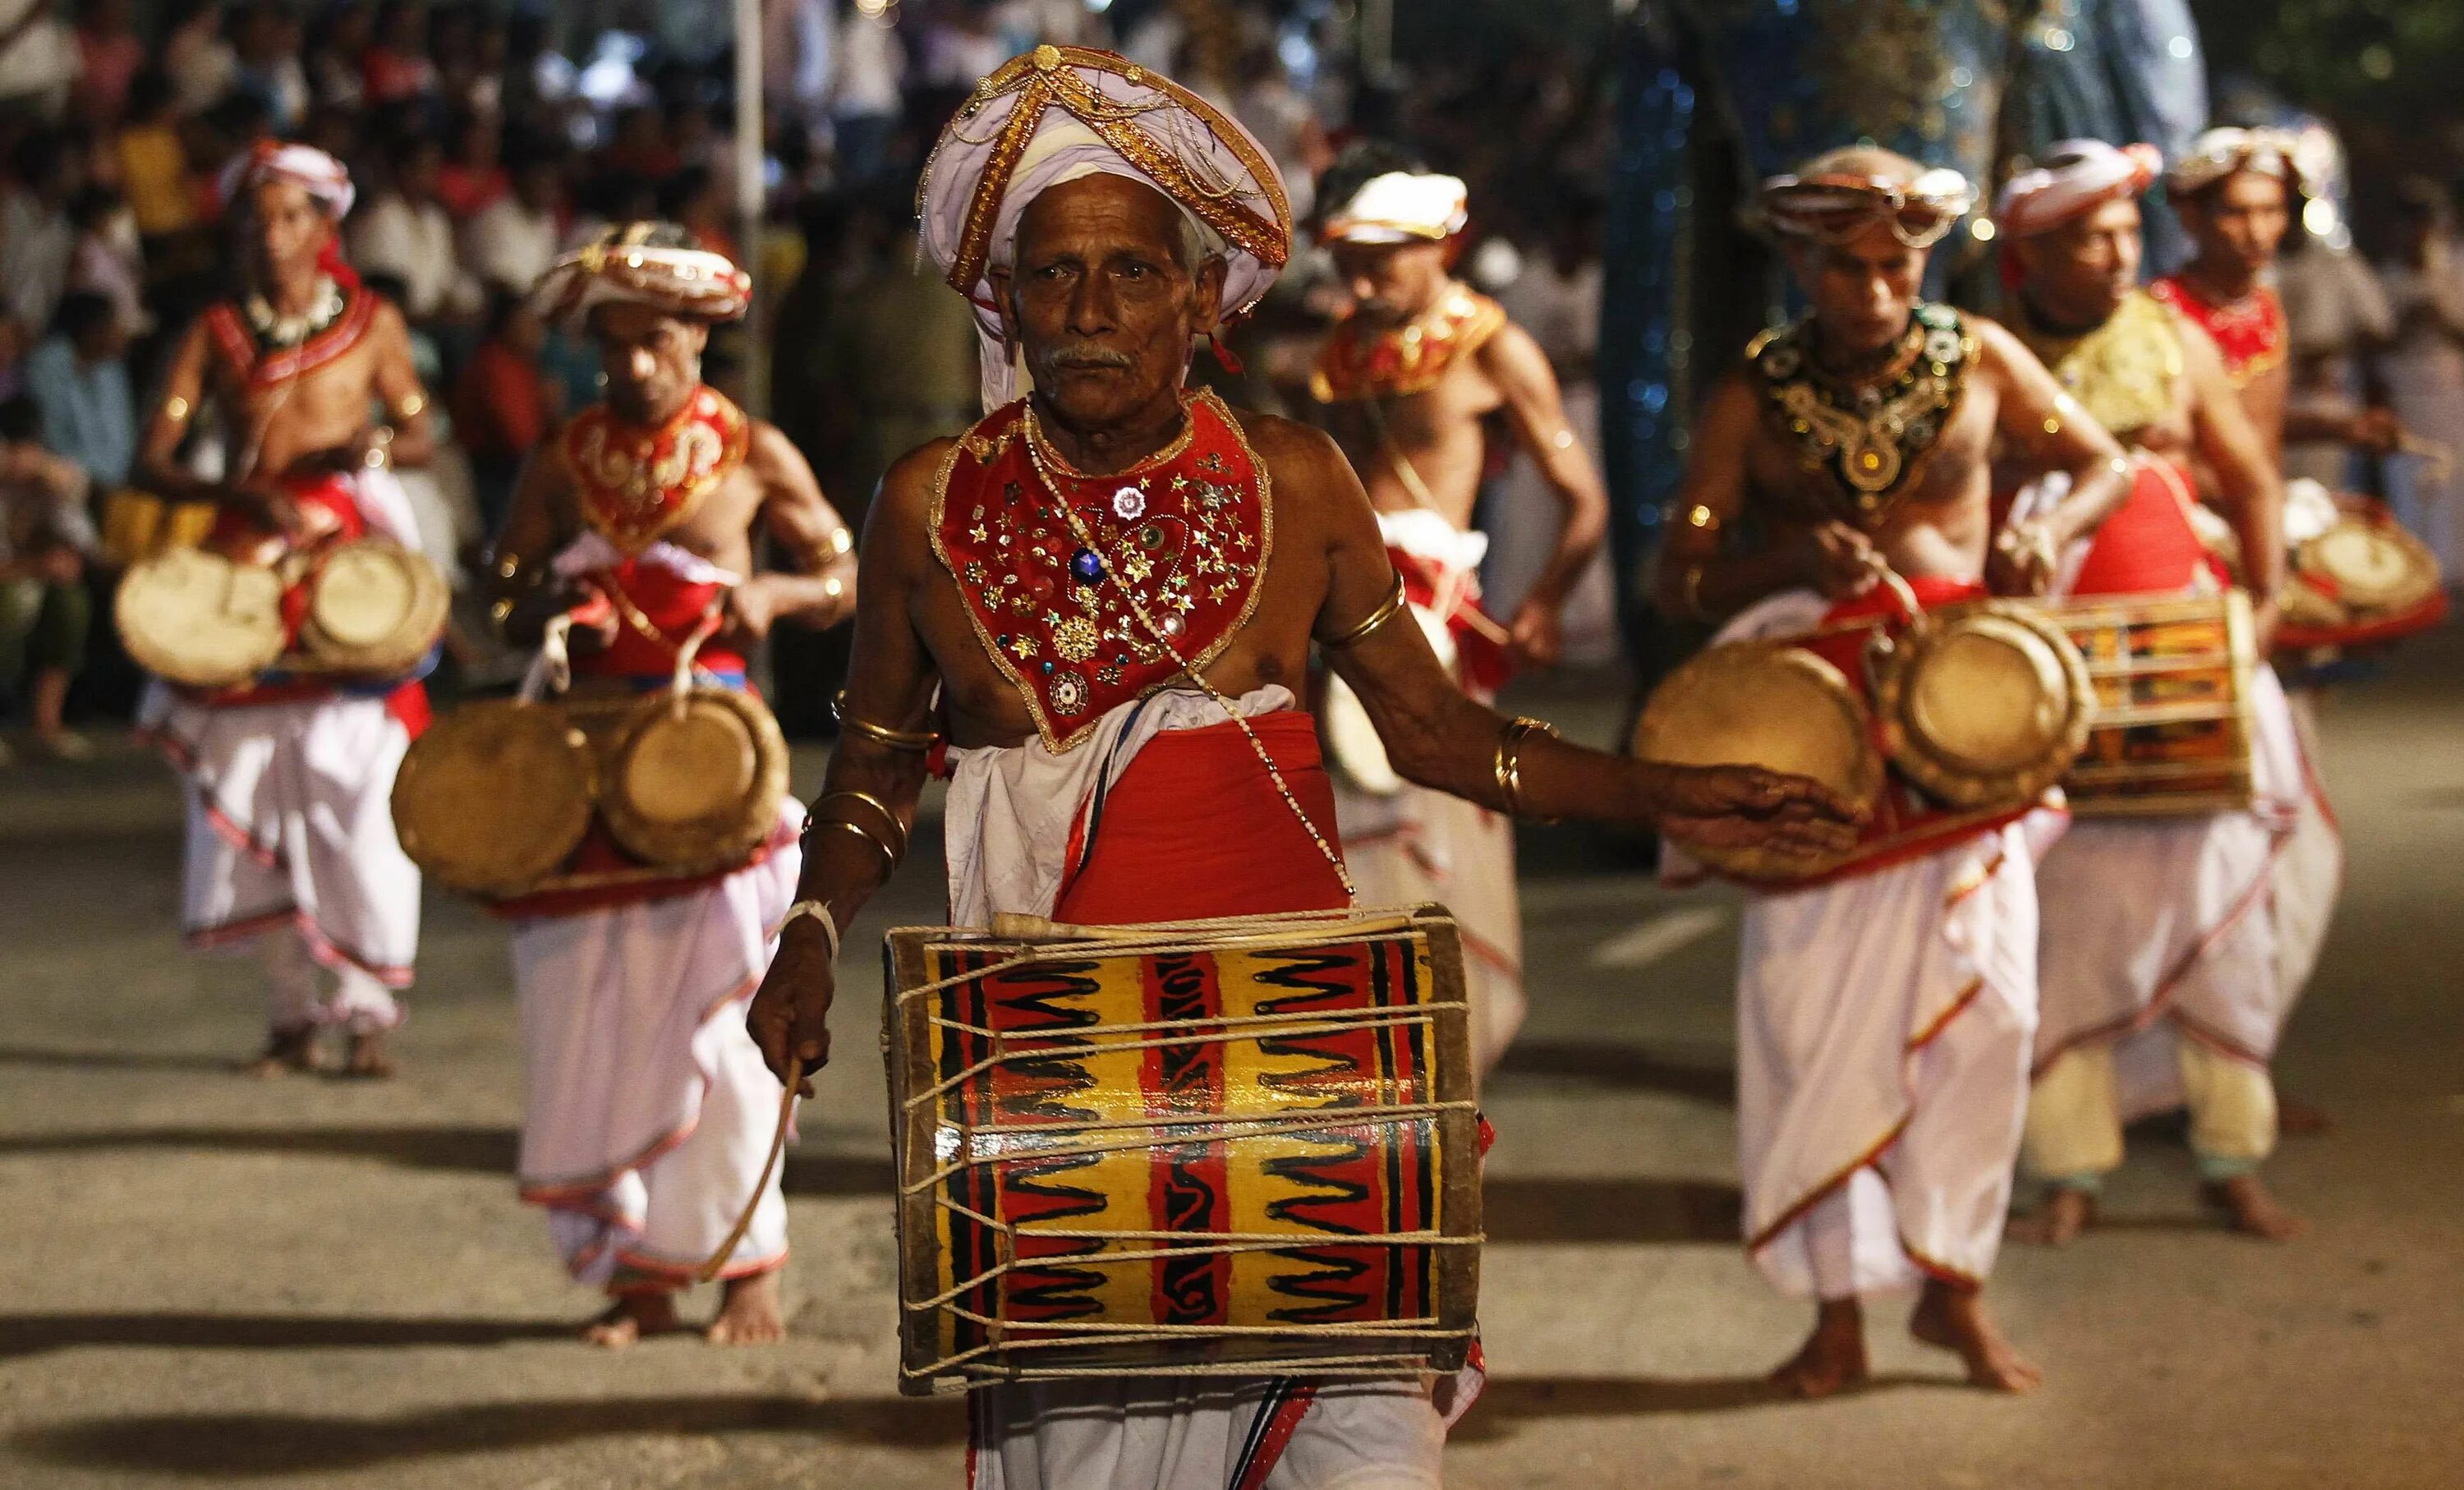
<point x="1662" y="936"/>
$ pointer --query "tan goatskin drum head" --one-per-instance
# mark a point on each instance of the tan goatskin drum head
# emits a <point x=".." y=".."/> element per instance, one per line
<point x="1984" y="706"/>
<point x="2374" y="566"/>
<point x="694" y="782"/>
<point x="493" y="797"/>
<point x="1767" y="704"/>
<point x="199" y="619"/>
<point x="374" y="608"/>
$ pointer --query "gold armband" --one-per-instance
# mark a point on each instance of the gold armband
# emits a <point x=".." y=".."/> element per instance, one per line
<point x="880" y="734"/>
<point x="888" y="855"/>
<point x="1508" y="764"/>
<point x="1384" y="613"/>
<point x="410" y="405"/>
<point x="897" y="840"/>
<point x="177" y="409"/>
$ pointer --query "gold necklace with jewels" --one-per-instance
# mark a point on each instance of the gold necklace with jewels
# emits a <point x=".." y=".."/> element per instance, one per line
<point x="1872" y="437"/>
<point x="2123" y="372"/>
<point x="633" y="485"/>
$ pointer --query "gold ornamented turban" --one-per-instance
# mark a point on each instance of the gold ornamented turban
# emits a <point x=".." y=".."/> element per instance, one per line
<point x="320" y="175"/>
<point x="1401" y="206"/>
<point x="2222" y="152"/>
<point x="621" y="267"/>
<point x="2074" y="176"/>
<point x="1833" y="208"/>
<point x="1059" y="114"/>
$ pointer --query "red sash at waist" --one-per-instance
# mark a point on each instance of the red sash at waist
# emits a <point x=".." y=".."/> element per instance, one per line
<point x="1485" y="664"/>
<point x="675" y="606"/>
<point x="1195" y="828"/>
<point x="1906" y="824"/>
<point x="2147" y="546"/>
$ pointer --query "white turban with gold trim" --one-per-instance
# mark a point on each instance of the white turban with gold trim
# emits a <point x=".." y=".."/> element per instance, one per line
<point x="1060" y="114"/>
<point x="1401" y="206"/>
<point x="622" y="267"/>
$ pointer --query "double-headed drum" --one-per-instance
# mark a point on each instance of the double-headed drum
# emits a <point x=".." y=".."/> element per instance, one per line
<point x="1982" y="704"/>
<point x="2174" y="717"/>
<point x="374" y="609"/>
<point x="1170" y="1150"/>
<point x="694" y="778"/>
<point x="200" y="619"/>
<point x="493" y="796"/>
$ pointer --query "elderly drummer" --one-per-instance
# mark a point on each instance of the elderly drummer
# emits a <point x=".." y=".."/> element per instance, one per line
<point x="1407" y="384"/>
<point x="266" y="413"/>
<point x="1112" y="587"/>
<point x="1885" y="1013"/>
<point x="628" y="552"/>
<point x="2160" y="962"/>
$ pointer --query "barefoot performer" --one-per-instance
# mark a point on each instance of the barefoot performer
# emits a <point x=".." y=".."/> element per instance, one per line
<point x="1411" y="384"/>
<point x="289" y="841"/>
<point x="1112" y="587"/>
<point x="647" y="1112"/>
<point x="2156" y="928"/>
<point x="1885" y="1013"/>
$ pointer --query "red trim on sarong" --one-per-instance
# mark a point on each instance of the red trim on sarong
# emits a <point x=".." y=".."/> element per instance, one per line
<point x="601" y="854"/>
<point x="1277" y="1436"/>
<point x="1195" y="828"/>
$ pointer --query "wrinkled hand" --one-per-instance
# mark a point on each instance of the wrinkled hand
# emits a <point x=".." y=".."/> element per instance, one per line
<point x="2023" y="559"/>
<point x="2376" y="430"/>
<point x="1838" y="560"/>
<point x="791" y="1011"/>
<point x="751" y="609"/>
<point x="1537" y="636"/>
<point x="1750" y="807"/>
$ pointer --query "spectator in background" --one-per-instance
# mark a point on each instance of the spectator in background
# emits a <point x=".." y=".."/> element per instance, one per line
<point x="266" y="41"/>
<point x="504" y="403"/>
<point x="107" y="259"/>
<point x="339" y="39"/>
<point x="154" y="161"/>
<point x="110" y="54"/>
<point x="473" y="173"/>
<point x="963" y="45"/>
<point x="640" y="147"/>
<point x="200" y="61"/>
<point x="698" y="199"/>
<point x="38" y="58"/>
<point x="396" y="69"/>
<point x="2424" y="366"/>
<point x="45" y="610"/>
<point x="513" y="240"/>
<point x="867" y="91"/>
<point x="37" y="237"/>
<point x="404" y="232"/>
<point x="77" y="379"/>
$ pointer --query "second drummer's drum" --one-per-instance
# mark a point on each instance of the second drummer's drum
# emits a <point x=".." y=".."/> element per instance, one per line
<point x="374" y="608"/>
<point x="493" y="797"/>
<point x="695" y="779"/>
<point x="199" y="619"/>
<point x="2174" y="715"/>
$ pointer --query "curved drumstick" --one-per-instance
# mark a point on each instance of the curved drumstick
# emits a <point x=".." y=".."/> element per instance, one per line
<point x="711" y="1268"/>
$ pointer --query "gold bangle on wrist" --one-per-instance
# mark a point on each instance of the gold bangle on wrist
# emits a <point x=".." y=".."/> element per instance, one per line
<point x="888" y="855"/>
<point x="897" y="829"/>
<point x="1508" y="764"/>
<point x="1384" y="613"/>
<point x="881" y="733"/>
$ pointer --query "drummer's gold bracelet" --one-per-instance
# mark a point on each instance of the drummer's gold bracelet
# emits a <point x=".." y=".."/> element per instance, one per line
<point x="888" y="855"/>
<point x="897" y="829"/>
<point x="880" y="734"/>
<point x="1384" y="613"/>
<point x="1509" y="761"/>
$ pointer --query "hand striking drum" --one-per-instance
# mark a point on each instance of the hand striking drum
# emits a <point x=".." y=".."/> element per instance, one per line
<point x="1886" y="1011"/>
<point x="1111" y="587"/>
<point x="281" y="645"/>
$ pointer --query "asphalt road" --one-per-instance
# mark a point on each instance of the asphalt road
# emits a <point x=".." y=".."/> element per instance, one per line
<point x="313" y="1283"/>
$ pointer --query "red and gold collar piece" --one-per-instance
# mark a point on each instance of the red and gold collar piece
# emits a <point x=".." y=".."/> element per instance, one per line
<point x="2250" y="332"/>
<point x="1360" y="362"/>
<point x="259" y="350"/>
<point x="1055" y="566"/>
<point x="633" y="485"/>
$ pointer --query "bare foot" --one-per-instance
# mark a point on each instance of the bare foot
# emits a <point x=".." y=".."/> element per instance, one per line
<point x="286" y="1052"/>
<point x="1955" y="1319"/>
<point x="2253" y="1210"/>
<point x="2300" y="1119"/>
<point x="1833" y="1358"/>
<point x="748" y="1312"/>
<point x="632" y="1317"/>
<point x="368" y="1058"/>
<point x="2066" y="1212"/>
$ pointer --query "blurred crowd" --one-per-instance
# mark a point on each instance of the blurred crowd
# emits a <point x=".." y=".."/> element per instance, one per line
<point x="484" y="141"/>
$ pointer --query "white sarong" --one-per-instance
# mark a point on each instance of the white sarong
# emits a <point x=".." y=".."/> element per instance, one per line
<point x="290" y="830"/>
<point x="1007" y="828"/>
<point x="647" y="1110"/>
<point x="1418" y="845"/>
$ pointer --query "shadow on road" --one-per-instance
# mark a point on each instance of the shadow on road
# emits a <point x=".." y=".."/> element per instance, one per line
<point x="241" y="1445"/>
<point x="34" y="1334"/>
<point x="469" y="1148"/>
<point x="1510" y="1403"/>
<point x="1534" y="1210"/>
<point x="1623" y="1067"/>
<point x="116" y="1059"/>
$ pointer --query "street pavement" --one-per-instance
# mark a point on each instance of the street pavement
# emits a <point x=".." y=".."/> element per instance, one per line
<point x="311" y="1281"/>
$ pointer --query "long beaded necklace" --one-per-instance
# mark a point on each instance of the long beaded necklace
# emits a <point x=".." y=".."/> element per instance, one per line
<point x="1138" y="609"/>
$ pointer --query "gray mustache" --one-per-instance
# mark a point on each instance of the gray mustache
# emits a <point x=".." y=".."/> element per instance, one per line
<point x="1092" y="357"/>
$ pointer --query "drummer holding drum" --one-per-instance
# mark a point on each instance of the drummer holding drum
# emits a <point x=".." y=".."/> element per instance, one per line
<point x="1886" y="1007"/>
<point x="284" y="700"/>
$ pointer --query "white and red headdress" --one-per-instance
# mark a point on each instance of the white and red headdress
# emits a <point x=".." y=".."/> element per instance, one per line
<point x="2074" y="176"/>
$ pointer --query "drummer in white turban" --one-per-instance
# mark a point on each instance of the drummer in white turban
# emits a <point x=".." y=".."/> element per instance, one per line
<point x="630" y="539"/>
<point x="290" y="847"/>
<point x="1113" y="672"/>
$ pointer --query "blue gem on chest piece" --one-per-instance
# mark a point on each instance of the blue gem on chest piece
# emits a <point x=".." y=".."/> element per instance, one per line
<point x="1086" y="566"/>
